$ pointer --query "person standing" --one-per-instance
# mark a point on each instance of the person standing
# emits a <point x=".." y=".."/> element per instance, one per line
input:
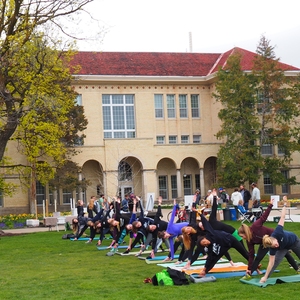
<point x="236" y="196"/>
<point x="246" y="196"/>
<point x="255" y="193"/>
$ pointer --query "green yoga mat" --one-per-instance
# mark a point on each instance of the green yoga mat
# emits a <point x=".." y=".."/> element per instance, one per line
<point x="272" y="280"/>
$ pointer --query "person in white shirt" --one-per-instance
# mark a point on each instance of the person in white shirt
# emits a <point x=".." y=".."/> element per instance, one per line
<point x="255" y="193"/>
<point x="236" y="196"/>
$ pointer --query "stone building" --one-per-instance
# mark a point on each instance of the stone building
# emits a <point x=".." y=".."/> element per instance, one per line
<point x="152" y="125"/>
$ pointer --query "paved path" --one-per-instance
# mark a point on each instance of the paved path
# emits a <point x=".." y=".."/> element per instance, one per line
<point x="295" y="216"/>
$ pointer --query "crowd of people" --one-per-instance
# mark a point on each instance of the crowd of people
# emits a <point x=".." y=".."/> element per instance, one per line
<point x="205" y="235"/>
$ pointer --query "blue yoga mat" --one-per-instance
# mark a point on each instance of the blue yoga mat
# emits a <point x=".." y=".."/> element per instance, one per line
<point x="119" y="247"/>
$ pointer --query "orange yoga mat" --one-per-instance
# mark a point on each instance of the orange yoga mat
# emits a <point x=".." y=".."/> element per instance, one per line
<point x="218" y="270"/>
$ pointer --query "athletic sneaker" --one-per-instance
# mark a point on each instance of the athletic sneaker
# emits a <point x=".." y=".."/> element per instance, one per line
<point x="88" y="242"/>
<point x="247" y="276"/>
<point x="125" y="252"/>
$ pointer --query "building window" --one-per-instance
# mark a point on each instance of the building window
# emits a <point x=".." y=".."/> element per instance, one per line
<point x="79" y="100"/>
<point x="40" y="193"/>
<point x="185" y="139"/>
<point x="281" y="150"/>
<point x="197" y="181"/>
<point x="197" y="139"/>
<point x="285" y="189"/>
<point x="173" y="139"/>
<point x="163" y="187"/>
<point x="1" y="199"/>
<point x="268" y="187"/>
<point x="125" y="171"/>
<point x="183" y="106"/>
<point x="160" y="139"/>
<point x="195" y="106"/>
<point x="174" y="186"/>
<point x="187" y="185"/>
<point x="267" y="149"/>
<point x="263" y="103"/>
<point x="171" y="106"/>
<point x="67" y="196"/>
<point x="118" y="116"/>
<point x="159" y="106"/>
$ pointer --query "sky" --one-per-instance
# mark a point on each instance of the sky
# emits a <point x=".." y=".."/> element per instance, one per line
<point x="215" y="26"/>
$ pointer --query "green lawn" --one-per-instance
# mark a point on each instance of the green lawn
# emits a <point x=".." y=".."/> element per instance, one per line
<point x="44" y="266"/>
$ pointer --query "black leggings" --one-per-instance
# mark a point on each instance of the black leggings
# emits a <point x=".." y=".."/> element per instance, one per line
<point x="261" y="252"/>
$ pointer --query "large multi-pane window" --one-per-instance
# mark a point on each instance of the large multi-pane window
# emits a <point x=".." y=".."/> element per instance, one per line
<point x="285" y="187"/>
<point x="195" y="106"/>
<point x="118" y="116"/>
<point x="183" y="109"/>
<point x="40" y="193"/>
<point x="1" y="199"/>
<point x="171" y="106"/>
<point x="174" y="186"/>
<point x="159" y="106"/>
<point x="268" y="186"/>
<point x="163" y="186"/>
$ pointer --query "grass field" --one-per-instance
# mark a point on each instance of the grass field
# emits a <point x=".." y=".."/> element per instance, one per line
<point x="44" y="266"/>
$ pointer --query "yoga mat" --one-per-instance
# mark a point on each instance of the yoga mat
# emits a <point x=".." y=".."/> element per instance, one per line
<point x="119" y="247"/>
<point x="136" y="252"/>
<point x="272" y="280"/>
<point x="195" y="263"/>
<point x="87" y="238"/>
<point x="226" y="274"/>
<point x="157" y="259"/>
<point x="226" y="267"/>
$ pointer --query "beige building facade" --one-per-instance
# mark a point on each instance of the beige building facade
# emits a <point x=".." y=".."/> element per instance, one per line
<point x="151" y="130"/>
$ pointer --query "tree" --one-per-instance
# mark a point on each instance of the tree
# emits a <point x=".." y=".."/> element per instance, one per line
<point x="36" y="98"/>
<point x="259" y="109"/>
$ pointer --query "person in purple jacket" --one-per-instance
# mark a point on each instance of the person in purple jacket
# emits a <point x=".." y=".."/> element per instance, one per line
<point x="279" y="243"/>
<point x="173" y="230"/>
<point x="253" y="236"/>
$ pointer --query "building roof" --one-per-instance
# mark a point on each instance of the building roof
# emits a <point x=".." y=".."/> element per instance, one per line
<point x="160" y="64"/>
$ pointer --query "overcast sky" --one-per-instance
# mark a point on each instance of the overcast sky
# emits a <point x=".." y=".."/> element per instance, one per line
<point x="216" y="26"/>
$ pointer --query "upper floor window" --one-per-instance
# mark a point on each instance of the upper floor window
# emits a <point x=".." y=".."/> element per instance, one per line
<point x="195" y="106"/>
<point x="172" y="139"/>
<point x="171" y="106"/>
<point x="159" y="106"/>
<point x="160" y="139"/>
<point x="185" y="139"/>
<point x="263" y="102"/>
<point x="267" y="149"/>
<point x="118" y="116"/>
<point x="79" y="100"/>
<point x="183" y="106"/>
<point x="197" y="139"/>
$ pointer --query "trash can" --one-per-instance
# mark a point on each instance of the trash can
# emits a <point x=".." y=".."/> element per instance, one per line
<point x="232" y="213"/>
<point x="276" y="219"/>
<point x="226" y="213"/>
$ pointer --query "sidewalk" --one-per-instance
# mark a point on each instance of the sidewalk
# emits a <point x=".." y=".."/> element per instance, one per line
<point x="295" y="216"/>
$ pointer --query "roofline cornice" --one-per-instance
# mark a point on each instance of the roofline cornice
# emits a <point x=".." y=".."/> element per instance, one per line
<point x="136" y="79"/>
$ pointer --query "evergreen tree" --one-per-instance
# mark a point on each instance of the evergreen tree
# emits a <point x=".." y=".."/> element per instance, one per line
<point x="259" y="112"/>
